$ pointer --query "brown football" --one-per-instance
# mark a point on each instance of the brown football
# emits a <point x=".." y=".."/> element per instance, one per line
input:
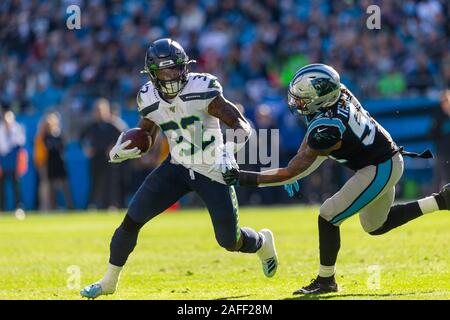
<point x="139" y="139"/>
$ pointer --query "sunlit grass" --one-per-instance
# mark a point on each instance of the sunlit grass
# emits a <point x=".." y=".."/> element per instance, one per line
<point x="177" y="257"/>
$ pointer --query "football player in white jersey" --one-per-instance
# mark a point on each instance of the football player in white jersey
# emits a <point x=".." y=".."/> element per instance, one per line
<point x="187" y="107"/>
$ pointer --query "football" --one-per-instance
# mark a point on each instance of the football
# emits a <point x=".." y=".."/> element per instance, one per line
<point x="139" y="139"/>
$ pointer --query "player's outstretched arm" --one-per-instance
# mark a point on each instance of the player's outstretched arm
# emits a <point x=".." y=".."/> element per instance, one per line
<point x="300" y="163"/>
<point x="305" y="158"/>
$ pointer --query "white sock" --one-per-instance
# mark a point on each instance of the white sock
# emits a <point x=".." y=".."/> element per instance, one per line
<point x="327" y="271"/>
<point x="428" y="204"/>
<point x="110" y="279"/>
<point x="261" y="252"/>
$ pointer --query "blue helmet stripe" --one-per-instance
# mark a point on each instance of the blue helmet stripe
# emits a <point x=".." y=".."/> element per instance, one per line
<point x="312" y="69"/>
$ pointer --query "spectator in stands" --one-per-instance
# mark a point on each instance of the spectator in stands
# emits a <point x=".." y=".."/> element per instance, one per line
<point x="446" y="69"/>
<point x="441" y="136"/>
<point x="392" y="84"/>
<point x="12" y="157"/>
<point x="246" y="43"/>
<point x="56" y="166"/>
<point x="97" y="140"/>
<point x="40" y="157"/>
<point x="422" y="76"/>
<point x="264" y="120"/>
<point x="253" y="46"/>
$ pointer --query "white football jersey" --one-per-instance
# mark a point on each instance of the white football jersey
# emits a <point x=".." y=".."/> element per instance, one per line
<point x="193" y="134"/>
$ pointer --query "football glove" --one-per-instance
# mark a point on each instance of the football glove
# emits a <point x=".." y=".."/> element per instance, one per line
<point x="236" y="177"/>
<point x="231" y="177"/>
<point x="224" y="162"/>
<point x="292" y="188"/>
<point x="118" y="153"/>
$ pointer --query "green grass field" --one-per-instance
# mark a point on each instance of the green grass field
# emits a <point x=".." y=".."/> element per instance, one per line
<point x="177" y="257"/>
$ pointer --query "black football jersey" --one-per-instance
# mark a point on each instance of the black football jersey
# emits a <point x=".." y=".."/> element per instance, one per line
<point x="364" y="141"/>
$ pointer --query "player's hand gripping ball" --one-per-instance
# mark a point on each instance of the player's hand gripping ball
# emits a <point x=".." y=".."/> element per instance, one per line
<point x="139" y="139"/>
<point x="130" y="145"/>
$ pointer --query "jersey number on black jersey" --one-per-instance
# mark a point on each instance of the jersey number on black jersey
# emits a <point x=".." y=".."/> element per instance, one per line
<point x="359" y="122"/>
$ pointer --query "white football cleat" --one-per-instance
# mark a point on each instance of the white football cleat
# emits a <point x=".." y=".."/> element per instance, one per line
<point x="268" y="254"/>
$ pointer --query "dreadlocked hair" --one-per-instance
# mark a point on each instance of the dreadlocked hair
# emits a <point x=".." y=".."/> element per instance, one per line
<point x="344" y="95"/>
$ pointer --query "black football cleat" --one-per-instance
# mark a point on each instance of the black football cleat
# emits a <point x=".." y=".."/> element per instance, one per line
<point x="319" y="286"/>
<point x="445" y="193"/>
<point x="443" y="197"/>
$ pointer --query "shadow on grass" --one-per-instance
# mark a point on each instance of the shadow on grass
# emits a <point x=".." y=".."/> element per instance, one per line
<point x="233" y="297"/>
<point x="356" y="295"/>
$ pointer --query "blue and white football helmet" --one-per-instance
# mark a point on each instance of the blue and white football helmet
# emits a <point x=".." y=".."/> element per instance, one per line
<point x="314" y="87"/>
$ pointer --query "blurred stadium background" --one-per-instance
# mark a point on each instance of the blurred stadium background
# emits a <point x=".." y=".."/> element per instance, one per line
<point x="67" y="86"/>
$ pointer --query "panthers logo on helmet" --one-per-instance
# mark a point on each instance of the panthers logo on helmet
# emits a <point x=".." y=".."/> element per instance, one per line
<point x="315" y="87"/>
<point x="323" y="86"/>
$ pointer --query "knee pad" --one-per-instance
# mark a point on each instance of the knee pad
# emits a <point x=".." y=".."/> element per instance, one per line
<point x="378" y="231"/>
<point x="327" y="210"/>
<point x="373" y="231"/>
<point x="129" y="225"/>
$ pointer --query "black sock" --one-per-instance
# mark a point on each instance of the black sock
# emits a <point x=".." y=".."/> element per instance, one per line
<point x="122" y="244"/>
<point x="123" y="241"/>
<point x="399" y="215"/>
<point x="329" y="242"/>
<point x="440" y="201"/>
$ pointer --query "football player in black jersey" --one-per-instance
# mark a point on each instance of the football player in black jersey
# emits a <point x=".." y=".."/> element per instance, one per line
<point x="339" y="128"/>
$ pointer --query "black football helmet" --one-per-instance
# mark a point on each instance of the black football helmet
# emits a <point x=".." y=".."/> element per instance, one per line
<point x="166" y="54"/>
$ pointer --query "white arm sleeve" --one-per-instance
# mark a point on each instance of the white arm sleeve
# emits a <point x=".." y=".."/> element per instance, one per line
<point x="305" y="173"/>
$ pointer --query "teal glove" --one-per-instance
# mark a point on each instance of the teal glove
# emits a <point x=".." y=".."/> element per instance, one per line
<point x="292" y="188"/>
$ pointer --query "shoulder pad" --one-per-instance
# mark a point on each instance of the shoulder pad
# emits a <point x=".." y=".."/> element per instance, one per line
<point x="325" y="132"/>
<point x="201" y="86"/>
<point x="323" y="137"/>
<point x="204" y="81"/>
<point x="146" y="99"/>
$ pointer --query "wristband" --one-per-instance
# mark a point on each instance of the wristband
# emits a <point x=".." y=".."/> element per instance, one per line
<point x="248" y="178"/>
